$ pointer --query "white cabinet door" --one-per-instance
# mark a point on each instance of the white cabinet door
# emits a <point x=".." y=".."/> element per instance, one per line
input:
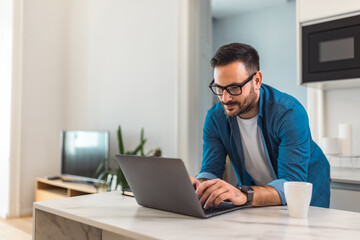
<point x="309" y="10"/>
<point x="345" y="199"/>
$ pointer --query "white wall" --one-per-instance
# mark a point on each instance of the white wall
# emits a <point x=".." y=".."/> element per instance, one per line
<point x="5" y="96"/>
<point x="272" y="32"/>
<point x="93" y="65"/>
<point x="121" y="67"/>
<point x="342" y="106"/>
<point x="42" y="94"/>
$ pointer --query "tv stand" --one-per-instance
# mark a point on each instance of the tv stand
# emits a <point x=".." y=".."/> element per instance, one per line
<point x="77" y="181"/>
<point x="55" y="189"/>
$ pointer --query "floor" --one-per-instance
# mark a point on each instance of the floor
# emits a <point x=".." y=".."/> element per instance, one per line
<point x="16" y="228"/>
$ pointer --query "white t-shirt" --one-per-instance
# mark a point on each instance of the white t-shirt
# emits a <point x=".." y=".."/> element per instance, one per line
<point x="254" y="154"/>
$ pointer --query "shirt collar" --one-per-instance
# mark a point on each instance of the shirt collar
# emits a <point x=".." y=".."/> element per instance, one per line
<point x="261" y="100"/>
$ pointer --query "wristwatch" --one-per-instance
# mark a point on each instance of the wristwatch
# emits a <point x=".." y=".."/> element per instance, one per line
<point x="250" y="193"/>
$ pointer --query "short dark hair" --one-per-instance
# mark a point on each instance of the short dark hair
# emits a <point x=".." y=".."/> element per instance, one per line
<point x="237" y="52"/>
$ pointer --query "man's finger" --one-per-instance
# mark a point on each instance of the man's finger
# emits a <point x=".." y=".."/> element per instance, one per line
<point x="195" y="182"/>
<point x="205" y="185"/>
<point x="222" y="197"/>
<point x="211" y="189"/>
<point x="211" y="201"/>
<point x="206" y="194"/>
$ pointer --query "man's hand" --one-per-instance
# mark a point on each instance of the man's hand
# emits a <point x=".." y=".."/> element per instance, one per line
<point x="213" y="192"/>
<point x="195" y="182"/>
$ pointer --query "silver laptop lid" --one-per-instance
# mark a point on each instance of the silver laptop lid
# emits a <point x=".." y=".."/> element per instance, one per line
<point x="161" y="183"/>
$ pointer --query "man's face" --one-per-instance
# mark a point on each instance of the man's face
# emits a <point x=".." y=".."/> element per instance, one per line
<point x="243" y="105"/>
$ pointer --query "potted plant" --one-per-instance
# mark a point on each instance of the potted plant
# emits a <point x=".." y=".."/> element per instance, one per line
<point x="106" y="171"/>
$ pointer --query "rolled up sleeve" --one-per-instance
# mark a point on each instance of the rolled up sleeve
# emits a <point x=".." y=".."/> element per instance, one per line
<point x="206" y="175"/>
<point x="278" y="184"/>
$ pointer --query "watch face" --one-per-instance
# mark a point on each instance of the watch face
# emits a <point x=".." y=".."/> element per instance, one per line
<point x="246" y="189"/>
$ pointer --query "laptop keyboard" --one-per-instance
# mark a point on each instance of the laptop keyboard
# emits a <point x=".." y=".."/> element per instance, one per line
<point x="219" y="208"/>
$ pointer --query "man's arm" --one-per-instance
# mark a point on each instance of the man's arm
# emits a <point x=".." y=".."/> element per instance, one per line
<point x="214" y="153"/>
<point x="293" y="158"/>
<point x="265" y="196"/>
<point x="213" y="192"/>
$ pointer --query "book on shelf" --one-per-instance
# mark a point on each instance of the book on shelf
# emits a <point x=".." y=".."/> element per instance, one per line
<point x="127" y="192"/>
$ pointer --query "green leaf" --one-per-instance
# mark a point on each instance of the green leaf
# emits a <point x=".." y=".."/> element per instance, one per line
<point x="138" y="148"/>
<point x="100" y="167"/>
<point x="120" y="175"/>
<point x="104" y="166"/>
<point x="120" y="141"/>
<point x="122" y="180"/>
<point x="142" y="141"/>
<point x="103" y="175"/>
<point x="118" y="178"/>
<point x="110" y="183"/>
<point x="106" y="175"/>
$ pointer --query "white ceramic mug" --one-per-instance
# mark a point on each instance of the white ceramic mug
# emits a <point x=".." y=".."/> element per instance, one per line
<point x="298" y="197"/>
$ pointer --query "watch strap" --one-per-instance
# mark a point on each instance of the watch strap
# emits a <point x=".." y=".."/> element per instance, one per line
<point x="249" y="192"/>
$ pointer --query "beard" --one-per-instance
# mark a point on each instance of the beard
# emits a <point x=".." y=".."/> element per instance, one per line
<point x="241" y="107"/>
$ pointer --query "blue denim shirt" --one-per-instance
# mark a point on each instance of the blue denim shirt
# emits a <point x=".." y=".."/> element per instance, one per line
<point x="290" y="152"/>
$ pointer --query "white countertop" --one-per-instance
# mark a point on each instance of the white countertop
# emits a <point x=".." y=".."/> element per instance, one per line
<point x="345" y="175"/>
<point x="122" y="215"/>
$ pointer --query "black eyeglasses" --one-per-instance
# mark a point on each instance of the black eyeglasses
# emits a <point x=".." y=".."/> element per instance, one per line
<point x="232" y="89"/>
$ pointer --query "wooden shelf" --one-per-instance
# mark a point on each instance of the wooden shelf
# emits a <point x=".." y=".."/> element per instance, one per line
<point x="55" y="189"/>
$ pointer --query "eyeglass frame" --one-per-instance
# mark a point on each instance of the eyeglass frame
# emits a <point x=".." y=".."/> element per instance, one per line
<point x="231" y="85"/>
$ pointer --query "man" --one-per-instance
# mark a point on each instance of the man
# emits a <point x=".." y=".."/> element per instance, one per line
<point x="264" y="132"/>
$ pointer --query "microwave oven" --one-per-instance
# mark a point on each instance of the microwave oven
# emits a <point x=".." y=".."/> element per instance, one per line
<point x="331" y="50"/>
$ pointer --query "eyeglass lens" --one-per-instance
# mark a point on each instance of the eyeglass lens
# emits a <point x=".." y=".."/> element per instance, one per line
<point x="234" y="90"/>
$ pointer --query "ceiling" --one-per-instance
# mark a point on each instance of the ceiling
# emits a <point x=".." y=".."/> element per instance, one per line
<point x="226" y="8"/>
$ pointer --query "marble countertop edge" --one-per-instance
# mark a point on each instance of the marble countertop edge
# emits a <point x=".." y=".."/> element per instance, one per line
<point x="92" y="222"/>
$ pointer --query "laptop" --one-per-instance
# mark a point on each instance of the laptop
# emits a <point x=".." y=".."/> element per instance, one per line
<point x="164" y="184"/>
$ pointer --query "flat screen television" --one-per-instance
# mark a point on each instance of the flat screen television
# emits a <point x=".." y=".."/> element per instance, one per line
<point x="82" y="152"/>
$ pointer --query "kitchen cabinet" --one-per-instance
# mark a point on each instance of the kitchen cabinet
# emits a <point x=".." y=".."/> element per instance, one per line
<point x="345" y="189"/>
<point x="312" y="10"/>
